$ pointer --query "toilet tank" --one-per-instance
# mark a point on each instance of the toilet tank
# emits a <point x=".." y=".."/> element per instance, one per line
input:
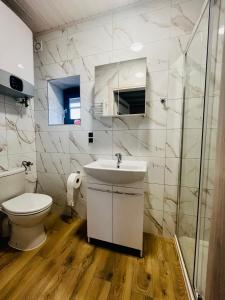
<point x="12" y="183"/>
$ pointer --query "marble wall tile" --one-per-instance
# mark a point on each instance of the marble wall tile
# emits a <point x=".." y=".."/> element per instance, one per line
<point x="173" y="142"/>
<point x="193" y="111"/>
<point x="17" y="137"/>
<point x="157" y="58"/>
<point x="170" y="199"/>
<point x="192" y="142"/>
<point x="52" y="142"/>
<point x="207" y="203"/>
<point x="20" y="141"/>
<point x="153" y="221"/>
<point x="78" y="161"/>
<point x="174" y="114"/>
<point x="176" y="78"/>
<point x="184" y="15"/>
<point x="41" y="99"/>
<point x="172" y="171"/>
<point x="18" y="117"/>
<point x="169" y="224"/>
<point x="4" y="163"/>
<point x="90" y="41"/>
<point x="156" y="170"/>
<point x="155" y="118"/>
<point x="144" y="28"/>
<point x="187" y="226"/>
<point x="3" y="143"/>
<point x="140" y="142"/>
<point x="58" y="163"/>
<point x="190" y="172"/>
<point x="157" y="88"/>
<point x="177" y="46"/>
<point x="154" y="194"/>
<point x="189" y="201"/>
<point x="102" y="144"/>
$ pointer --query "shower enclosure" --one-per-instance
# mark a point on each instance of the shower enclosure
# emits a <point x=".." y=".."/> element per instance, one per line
<point x="202" y="73"/>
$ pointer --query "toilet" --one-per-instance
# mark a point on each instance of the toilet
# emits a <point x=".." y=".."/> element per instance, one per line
<point x="26" y="211"/>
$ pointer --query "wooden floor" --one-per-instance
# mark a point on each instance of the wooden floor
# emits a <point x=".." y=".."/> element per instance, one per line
<point x="67" y="267"/>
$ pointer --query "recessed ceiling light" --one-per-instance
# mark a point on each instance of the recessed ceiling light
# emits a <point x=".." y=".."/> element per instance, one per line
<point x="20" y="66"/>
<point x="139" y="74"/>
<point x="136" y="47"/>
<point x="221" y="30"/>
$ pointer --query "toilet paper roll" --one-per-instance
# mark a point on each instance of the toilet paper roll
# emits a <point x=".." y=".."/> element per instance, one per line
<point x="73" y="183"/>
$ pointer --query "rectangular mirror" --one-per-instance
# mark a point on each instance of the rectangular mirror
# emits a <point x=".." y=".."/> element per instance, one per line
<point x="120" y="88"/>
<point x="64" y="101"/>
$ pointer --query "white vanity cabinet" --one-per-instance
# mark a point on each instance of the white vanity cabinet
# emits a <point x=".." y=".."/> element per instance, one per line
<point x="115" y="214"/>
<point x="128" y="212"/>
<point x="99" y="212"/>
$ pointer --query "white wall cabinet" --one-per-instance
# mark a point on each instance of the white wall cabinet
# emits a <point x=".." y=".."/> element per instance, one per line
<point x="115" y="214"/>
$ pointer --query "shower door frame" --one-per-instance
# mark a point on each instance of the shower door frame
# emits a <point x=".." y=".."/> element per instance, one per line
<point x="191" y="283"/>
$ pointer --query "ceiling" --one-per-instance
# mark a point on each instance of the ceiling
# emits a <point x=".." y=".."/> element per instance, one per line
<point x="43" y="15"/>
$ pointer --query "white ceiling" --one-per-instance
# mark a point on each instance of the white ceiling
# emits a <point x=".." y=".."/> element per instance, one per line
<point x="42" y="15"/>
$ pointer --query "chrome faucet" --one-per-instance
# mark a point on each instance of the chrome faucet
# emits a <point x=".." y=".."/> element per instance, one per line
<point x="119" y="159"/>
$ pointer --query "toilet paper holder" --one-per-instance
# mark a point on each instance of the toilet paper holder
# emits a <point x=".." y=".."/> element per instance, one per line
<point x="73" y="183"/>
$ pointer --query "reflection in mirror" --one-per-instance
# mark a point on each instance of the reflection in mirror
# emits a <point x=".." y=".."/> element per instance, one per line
<point x="120" y="88"/>
<point x="130" y="101"/>
<point x="64" y="101"/>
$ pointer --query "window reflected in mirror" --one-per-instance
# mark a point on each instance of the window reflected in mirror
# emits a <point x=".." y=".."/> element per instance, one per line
<point x="64" y="101"/>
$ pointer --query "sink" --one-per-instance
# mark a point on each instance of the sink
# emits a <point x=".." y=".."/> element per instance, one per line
<point x="107" y="171"/>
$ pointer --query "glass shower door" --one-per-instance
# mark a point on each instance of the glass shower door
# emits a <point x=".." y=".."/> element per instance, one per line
<point x="216" y="42"/>
<point x="193" y="111"/>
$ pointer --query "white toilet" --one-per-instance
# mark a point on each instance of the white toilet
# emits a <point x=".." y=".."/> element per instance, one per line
<point x="26" y="211"/>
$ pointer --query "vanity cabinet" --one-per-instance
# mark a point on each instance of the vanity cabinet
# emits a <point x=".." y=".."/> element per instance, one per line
<point x="99" y="212"/>
<point x="128" y="211"/>
<point x="115" y="214"/>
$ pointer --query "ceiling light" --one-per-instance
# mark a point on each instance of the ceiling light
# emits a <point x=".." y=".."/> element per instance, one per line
<point x="221" y="30"/>
<point x="136" y="47"/>
<point x="20" y="66"/>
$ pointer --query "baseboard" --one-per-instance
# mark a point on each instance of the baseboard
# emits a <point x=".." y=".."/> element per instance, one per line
<point x="184" y="271"/>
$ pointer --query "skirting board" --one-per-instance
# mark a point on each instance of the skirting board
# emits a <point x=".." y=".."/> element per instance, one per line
<point x="184" y="271"/>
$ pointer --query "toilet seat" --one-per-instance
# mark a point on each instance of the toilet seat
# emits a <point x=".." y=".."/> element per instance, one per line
<point x="27" y="204"/>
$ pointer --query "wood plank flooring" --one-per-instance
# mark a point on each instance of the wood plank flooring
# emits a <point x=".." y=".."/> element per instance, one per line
<point x="67" y="267"/>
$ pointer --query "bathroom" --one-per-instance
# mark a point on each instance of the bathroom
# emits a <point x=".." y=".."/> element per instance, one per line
<point x="111" y="142"/>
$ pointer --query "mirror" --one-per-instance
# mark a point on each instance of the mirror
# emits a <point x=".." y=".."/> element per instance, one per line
<point x="64" y="101"/>
<point x="120" y="88"/>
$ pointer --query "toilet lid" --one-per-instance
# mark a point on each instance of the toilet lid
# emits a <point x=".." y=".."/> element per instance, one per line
<point x="27" y="203"/>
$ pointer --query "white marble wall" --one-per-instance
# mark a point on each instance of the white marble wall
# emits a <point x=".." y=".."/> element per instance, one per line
<point x="163" y="27"/>
<point x="55" y="104"/>
<point x="17" y="136"/>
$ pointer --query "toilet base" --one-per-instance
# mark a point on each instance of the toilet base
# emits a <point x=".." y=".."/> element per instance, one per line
<point x="27" y="238"/>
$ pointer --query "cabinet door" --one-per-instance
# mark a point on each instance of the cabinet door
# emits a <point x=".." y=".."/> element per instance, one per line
<point x="128" y="211"/>
<point x="99" y="212"/>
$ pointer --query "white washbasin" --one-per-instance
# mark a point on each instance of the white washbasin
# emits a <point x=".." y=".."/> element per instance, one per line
<point x="106" y="170"/>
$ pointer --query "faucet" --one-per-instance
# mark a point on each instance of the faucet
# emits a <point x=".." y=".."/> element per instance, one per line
<point x="119" y="159"/>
